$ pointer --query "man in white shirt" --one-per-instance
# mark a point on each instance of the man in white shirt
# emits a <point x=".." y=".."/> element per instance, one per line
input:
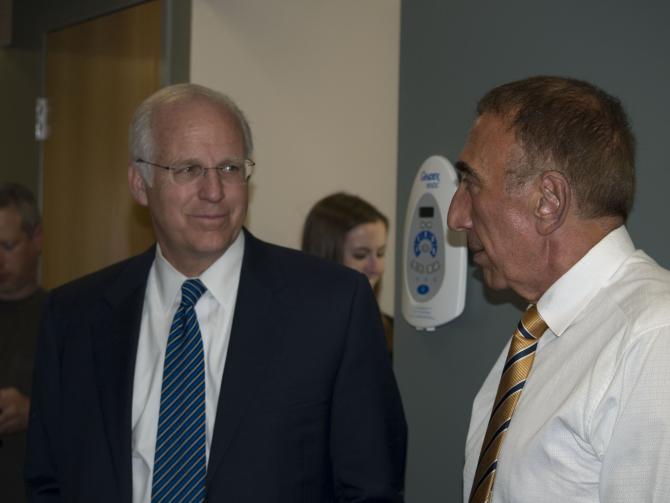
<point x="547" y="182"/>
<point x="214" y="366"/>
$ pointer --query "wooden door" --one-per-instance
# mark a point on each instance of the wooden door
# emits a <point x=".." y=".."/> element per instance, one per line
<point x="96" y="73"/>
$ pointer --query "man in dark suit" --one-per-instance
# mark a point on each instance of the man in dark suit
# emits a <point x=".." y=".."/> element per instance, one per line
<point x="214" y="366"/>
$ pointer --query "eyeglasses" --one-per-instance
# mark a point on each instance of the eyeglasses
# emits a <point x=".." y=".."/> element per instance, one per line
<point x="230" y="172"/>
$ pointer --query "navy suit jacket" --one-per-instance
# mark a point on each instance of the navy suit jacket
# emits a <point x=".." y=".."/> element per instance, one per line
<point x="308" y="410"/>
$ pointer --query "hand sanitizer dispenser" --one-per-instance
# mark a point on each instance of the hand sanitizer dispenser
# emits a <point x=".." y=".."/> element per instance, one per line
<point x="435" y="258"/>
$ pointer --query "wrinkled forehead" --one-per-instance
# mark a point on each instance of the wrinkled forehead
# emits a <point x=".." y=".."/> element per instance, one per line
<point x="197" y="119"/>
<point x="491" y="144"/>
<point x="194" y="110"/>
<point x="490" y="132"/>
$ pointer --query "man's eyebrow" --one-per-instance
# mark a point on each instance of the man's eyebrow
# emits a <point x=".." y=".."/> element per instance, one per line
<point x="464" y="168"/>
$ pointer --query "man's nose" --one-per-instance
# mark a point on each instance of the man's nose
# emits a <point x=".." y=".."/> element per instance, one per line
<point x="459" y="218"/>
<point x="211" y="186"/>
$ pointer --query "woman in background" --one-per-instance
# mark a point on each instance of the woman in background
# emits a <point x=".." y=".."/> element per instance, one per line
<point x="348" y="230"/>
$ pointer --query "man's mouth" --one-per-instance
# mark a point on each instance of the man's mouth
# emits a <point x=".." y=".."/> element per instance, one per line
<point x="210" y="220"/>
<point x="477" y="254"/>
<point x="475" y="248"/>
<point x="209" y="216"/>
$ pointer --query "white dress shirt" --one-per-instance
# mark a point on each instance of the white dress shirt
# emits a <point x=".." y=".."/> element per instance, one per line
<point x="593" y="421"/>
<point x="214" y="311"/>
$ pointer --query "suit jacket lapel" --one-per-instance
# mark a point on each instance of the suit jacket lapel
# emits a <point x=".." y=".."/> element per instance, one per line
<point x="115" y="335"/>
<point x="253" y="340"/>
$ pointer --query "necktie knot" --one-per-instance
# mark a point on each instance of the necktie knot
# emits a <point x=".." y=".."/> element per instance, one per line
<point x="191" y="291"/>
<point x="531" y="326"/>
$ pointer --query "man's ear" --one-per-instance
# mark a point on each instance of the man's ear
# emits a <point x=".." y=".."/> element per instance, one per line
<point x="552" y="206"/>
<point x="137" y="184"/>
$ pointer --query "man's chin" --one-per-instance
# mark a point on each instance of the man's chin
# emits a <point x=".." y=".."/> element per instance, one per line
<point x="494" y="280"/>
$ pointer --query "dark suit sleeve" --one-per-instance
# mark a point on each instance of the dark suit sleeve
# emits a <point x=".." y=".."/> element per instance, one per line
<point x="41" y="471"/>
<point x="368" y="429"/>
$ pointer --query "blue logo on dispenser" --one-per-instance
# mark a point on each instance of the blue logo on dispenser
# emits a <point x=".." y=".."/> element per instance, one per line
<point x="423" y="289"/>
<point x="432" y="179"/>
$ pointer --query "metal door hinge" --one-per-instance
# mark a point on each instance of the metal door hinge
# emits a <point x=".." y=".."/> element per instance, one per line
<point x="41" y="119"/>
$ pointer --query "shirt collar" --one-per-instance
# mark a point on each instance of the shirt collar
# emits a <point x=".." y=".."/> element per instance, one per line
<point x="220" y="277"/>
<point x="217" y="277"/>
<point x="571" y="293"/>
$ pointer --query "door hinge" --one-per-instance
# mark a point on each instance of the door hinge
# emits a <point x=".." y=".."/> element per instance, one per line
<point x="41" y="119"/>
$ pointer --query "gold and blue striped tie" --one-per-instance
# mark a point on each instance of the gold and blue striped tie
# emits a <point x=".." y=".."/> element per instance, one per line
<point x="180" y="462"/>
<point x="515" y="372"/>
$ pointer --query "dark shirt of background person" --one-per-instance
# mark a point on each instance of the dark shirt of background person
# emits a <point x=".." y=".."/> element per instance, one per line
<point x="21" y="300"/>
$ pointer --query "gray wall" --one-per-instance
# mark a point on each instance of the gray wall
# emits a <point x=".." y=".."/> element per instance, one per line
<point x="452" y="52"/>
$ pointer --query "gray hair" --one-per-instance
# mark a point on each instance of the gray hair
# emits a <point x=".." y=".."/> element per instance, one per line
<point x="19" y="197"/>
<point x="141" y="137"/>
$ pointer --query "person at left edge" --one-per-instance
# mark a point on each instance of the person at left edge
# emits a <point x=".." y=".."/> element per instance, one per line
<point x="301" y="402"/>
<point x="21" y="300"/>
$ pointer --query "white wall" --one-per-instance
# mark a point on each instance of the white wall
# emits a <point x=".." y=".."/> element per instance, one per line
<point x="318" y="80"/>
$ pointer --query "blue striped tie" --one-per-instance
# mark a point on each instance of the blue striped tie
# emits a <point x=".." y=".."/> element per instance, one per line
<point x="514" y="375"/>
<point x="180" y="462"/>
